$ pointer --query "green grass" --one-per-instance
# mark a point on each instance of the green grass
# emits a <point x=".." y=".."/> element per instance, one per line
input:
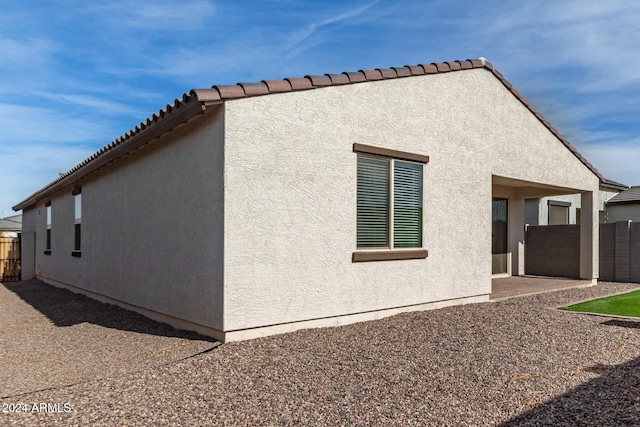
<point x="618" y="305"/>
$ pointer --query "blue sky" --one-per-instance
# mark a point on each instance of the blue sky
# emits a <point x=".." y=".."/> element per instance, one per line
<point x="76" y="75"/>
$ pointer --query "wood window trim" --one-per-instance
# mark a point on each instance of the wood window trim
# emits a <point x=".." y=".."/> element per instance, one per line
<point x="558" y="203"/>
<point x="76" y="191"/>
<point x="362" y="256"/>
<point x="400" y="155"/>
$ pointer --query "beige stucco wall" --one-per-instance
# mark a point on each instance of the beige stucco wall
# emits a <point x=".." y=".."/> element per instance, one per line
<point x="623" y="213"/>
<point x="290" y="192"/>
<point x="152" y="228"/>
<point x="28" y="244"/>
<point x="604" y="194"/>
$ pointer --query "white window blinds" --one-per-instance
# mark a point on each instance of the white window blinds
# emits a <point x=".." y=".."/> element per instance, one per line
<point x="381" y="224"/>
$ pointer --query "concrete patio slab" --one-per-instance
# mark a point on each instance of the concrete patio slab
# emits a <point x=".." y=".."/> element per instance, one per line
<point x="518" y="286"/>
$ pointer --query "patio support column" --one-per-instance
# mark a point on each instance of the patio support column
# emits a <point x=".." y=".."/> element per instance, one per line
<point x="516" y="235"/>
<point x="589" y="234"/>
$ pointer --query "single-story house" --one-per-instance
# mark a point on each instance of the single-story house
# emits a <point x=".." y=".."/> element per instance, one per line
<point x="311" y="201"/>
<point x="565" y="209"/>
<point x="625" y="206"/>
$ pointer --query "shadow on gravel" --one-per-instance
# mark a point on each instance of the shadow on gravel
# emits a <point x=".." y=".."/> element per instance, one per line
<point x="612" y="399"/>
<point x="65" y="308"/>
<point x="623" y="323"/>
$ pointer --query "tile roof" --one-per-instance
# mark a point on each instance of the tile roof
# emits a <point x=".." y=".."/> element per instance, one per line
<point x="613" y="184"/>
<point x="11" y="223"/>
<point x="197" y="100"/>
<point x="627" y="197"/>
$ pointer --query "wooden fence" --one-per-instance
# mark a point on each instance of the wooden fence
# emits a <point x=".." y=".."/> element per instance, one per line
<point x="9" y="259"/>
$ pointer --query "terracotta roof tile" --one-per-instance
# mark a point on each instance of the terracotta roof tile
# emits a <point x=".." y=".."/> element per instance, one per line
<point x="276" y="86"/>
<point x="429" y="68"/>
<point x="372" y="74"/>
<point x="442" y="67"/>
<point x="323" y="80"/>
<point x="252" y="89"/>
<point x="338" y="79"/>
<point x="402" y="71"/>
<point x="300" y="83"/>
<point x="454" y="66"/>
<point x="415" y="70"/>
<point x="388" y="73"/>
<point x="355" y="77"/>
<point x="197" y="100"/>
<point x="230" y="91"/>
<point x="502" y="79"/>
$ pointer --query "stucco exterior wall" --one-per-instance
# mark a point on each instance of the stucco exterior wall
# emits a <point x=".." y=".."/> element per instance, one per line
<point x="152" y="227"/>
<point x="28" y="244"/>
<point x="290" y="192"/>
<point x="604" y="194"/>
<point x="623" y="213"/>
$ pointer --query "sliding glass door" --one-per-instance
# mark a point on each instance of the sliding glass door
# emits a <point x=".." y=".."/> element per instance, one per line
<point x="499" y="236"/>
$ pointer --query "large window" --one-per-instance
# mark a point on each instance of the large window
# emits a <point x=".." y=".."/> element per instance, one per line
<point x="77" y="224"/>
<point x="389" y="204"/>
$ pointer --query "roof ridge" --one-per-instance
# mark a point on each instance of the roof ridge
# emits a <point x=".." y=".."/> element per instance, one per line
<point x="310" y="81"/>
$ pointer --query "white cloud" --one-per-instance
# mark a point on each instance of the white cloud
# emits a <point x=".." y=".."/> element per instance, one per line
<point x="168" y="16"/>
<point x="300" y="39"/>
<point x="21" y="124"/>
<point x="101" y="105"/>
<point x="33" y="51"/>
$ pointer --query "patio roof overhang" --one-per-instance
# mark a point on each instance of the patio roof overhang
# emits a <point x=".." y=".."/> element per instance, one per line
<point x="510" y="187"/>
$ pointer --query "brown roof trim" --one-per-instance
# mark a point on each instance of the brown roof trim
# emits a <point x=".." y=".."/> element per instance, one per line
<point x="198" y="99"/>
<point x="402" y="155"/>
<point x="391" y="255"/>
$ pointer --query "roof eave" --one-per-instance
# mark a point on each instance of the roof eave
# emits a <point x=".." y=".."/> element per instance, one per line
<point x="160" y="125"/>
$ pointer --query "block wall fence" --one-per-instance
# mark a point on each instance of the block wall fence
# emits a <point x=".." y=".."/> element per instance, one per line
<point x="554" y="250"/>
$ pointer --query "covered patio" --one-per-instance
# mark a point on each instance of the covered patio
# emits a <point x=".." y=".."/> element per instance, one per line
<point x="508" y="234"/>
<point x="518" y="286"/>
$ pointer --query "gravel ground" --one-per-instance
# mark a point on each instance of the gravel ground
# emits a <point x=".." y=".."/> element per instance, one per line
<point x="514" y="362"/>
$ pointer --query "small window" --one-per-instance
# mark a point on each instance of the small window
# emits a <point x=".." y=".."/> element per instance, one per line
<point x="389" y="204"/>
<point x="48" y="243"/>
<point x="77" y="226"/>
<point x="558" y="212"/>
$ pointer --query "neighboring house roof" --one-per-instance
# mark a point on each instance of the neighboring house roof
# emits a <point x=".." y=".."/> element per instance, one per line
<point x="11" y="223"/>
<point x="197" y="100"/>
<point x="607" y="183"/>
<point x="627" y="197"/>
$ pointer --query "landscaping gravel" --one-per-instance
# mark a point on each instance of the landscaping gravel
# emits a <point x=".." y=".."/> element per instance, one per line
<point x="514" y="362"/>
